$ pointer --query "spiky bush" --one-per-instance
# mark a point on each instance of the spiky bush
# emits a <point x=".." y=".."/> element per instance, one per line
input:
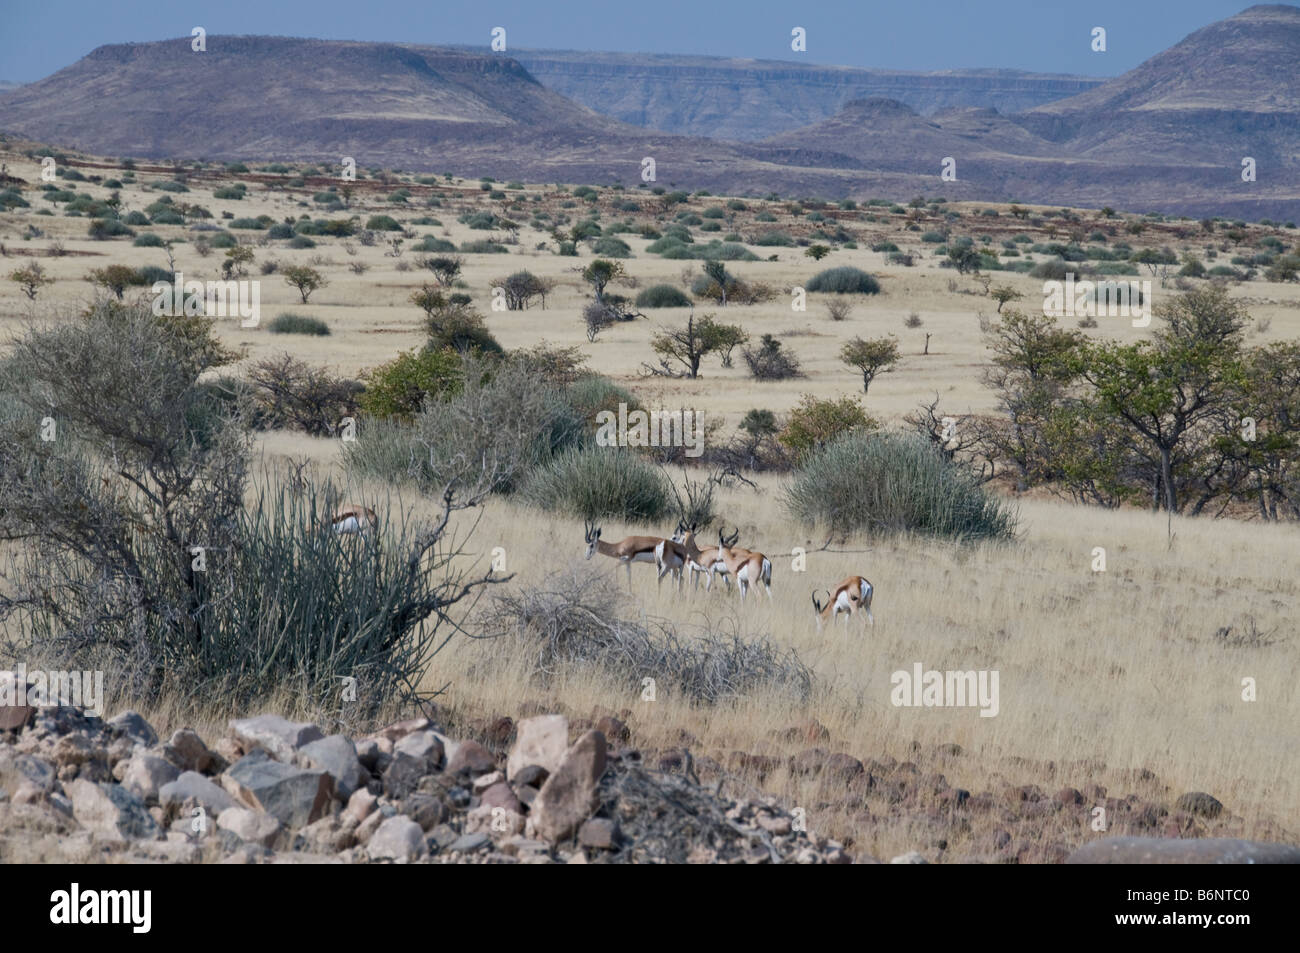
<point x="895" y="483"/>
<point x="844" y="280"/>
<point x="289" y="323"/>
<point x="598" y="482"/>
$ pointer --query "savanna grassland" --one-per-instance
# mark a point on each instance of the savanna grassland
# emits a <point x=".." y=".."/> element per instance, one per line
<point x="1115" y="682"/>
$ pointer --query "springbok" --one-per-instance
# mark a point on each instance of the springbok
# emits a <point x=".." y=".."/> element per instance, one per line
<point x="352" y="518"/>
<point x="704" y="560"/>
<point x="849" y="596"/>
<point x="637" y="549"/>
<point x="749" y="567"/>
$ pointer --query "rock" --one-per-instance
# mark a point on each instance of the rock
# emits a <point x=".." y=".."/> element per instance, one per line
<point x="337" y="757"/>
<point x="774" y="824"/>
<point x="469" y="842"/>
<point x="1069" y="796"/>
<point x="809" y="762"/>
<point x="1159" y="850"/>
<point x="494" y="821"/>
<point x="326" y="836"/>
<point x="471" y="758"/>
<point x="599" y="832"/>
<point x="366" y="829"/>
<point x="132" y="725"/>
<point x="498" y="730"/>
<point x="110" y="810"/>
<point x="144" y="776"/>
<point x="845" y="767"/>
<point x="401" y="729"/>
<point x="254" y="827"/>
<point x="426" y="810"/>
<point x="1199" y="803"/>
<point x="614" y="729"/>
<point x="398" y="839"/>
<point x="294" y="796"/>
<point x="13" y="716"/>
<point x="278" y="736"/>
<point x="503" y="796"/>
<point x="228" y="750"/>
<point x="532" y="776"/>
<point x="485" y="781"/>
<point x="360" y="804"/>
<point x="25" y="770"/>
<point x="368" y="752"/>
<point x="186" y="750"/>
<point x="570" y="794"/>
<point x="911" y="857"/>
<point x="540" y="741"/>
<point x="193" y="786"/>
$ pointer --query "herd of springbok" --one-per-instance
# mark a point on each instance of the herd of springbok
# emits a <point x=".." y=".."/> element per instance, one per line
<point x="682" y="554"/>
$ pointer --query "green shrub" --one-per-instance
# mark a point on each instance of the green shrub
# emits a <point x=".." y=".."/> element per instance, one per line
<point x="148" y="240"/>
<point x="773" y="239"/>
<point x="610" y="247"/>
<point x="430" y="244"/>
<point x="484" y="247"/>
<point x="895" y="483"/>
<point x="844" y="280"/>
<point x="403" y="386"/>
<point x="662" y="296"/>
<point x="104" y="228"/>
<point x="289" y="323"/>
<point x="383" y="223"/>
<point x="600" y="482"/>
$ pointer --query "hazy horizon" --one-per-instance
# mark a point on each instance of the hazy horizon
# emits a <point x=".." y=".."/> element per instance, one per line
<point x="1052" y="37"/>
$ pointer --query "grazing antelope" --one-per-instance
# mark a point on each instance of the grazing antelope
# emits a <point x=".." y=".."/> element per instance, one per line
<point x="353" y="518"/>
<point x="749" y="567"/>
<point x="636" y="549"/>
<point x="704" y="560"/>
<point x="848" y="597"/>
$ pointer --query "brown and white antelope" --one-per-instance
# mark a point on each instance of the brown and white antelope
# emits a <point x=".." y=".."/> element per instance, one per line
<point x="352" y="518"/>
<point x="749" y="567"/>
<point x="705" y="560"/>
<point x="849" y="596"/>
<point x="638" y="549"/>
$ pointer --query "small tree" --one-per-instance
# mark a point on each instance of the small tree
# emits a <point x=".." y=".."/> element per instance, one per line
<point x="1004" y="294"/>
<point x="771" y="361"/>
<point x="305" y="279"/>
<point x="600" y="273"/>
<point x="237" y="258"/>
<point x="815" y="422"/>
<point x="717" y="271"/>
<point x="817" y="252"/>
<point x="446" y="268"/>
<point x="838" y="309"/>
<point x="689" y="345"/>
<point x="596" y="317"/>
<point x="870" y="357"/>
<point x="31" y="279"/>
<point x="114" y="278"/>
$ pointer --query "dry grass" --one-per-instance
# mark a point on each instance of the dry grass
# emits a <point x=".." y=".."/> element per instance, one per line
<point x="1122" y="668"/>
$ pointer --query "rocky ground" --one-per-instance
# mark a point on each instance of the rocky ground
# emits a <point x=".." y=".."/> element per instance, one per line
<point x="76" y="788"/>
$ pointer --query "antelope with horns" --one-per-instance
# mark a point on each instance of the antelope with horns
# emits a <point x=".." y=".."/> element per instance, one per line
<point x="749" y="567"/>
<point x="849" y="596"/>
<point x="664" y="553"/>
<point x="705" y="560"/>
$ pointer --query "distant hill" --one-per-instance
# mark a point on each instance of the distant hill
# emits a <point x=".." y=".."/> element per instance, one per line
<point x="1167" y="136"/>
<point x="747" y="99"/>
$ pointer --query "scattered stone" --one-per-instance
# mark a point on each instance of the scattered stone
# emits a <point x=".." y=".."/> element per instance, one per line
<point x="294" y="796"/>
<point x="110" y="810"/>
<point x="194" y="787"/>
<point x="399" y="839"/>
<point x="1200" y="804"/>
<point x="471" y="758"/>
<point x="132" y="725"/>
<point x="278" y="736"/>
<point x="255" y="827"/>
<point x="469" y="842"/>
<point x="598" y="832"/>
<point x="186" y="750"/>
<point x="337" y="757"/>
<point x="569" y="795"/>
<point x="144" y="776"/>
<point x="540" y="741"/>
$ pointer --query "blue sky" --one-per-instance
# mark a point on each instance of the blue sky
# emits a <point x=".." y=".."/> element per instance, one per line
<point x="43" y="36"/>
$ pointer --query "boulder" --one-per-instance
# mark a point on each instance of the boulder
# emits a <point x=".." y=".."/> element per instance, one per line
<point x="1200" y="804"/>
<point x="294" y="796"/>
<point x="254" y="827"/>
<point x="540" y="741"/>
<point x="186" y="750"/>
<point x="337" y="757"/>
<point x="110" y="810"/>
<point x="398" y="839"/>
<point x="278" y="736"/>
<point x="192" y="785"/>
<point x="570" y="794"/>
<point x="144" y="776"/>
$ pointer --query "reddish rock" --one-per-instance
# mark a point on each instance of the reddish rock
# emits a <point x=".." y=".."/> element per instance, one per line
<point x="471" y="758"/>
<point x="843" y="766"/>
<point x="809" y="762"/>
<point x="614" y="729"/>
<point x="570" y="794"/>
